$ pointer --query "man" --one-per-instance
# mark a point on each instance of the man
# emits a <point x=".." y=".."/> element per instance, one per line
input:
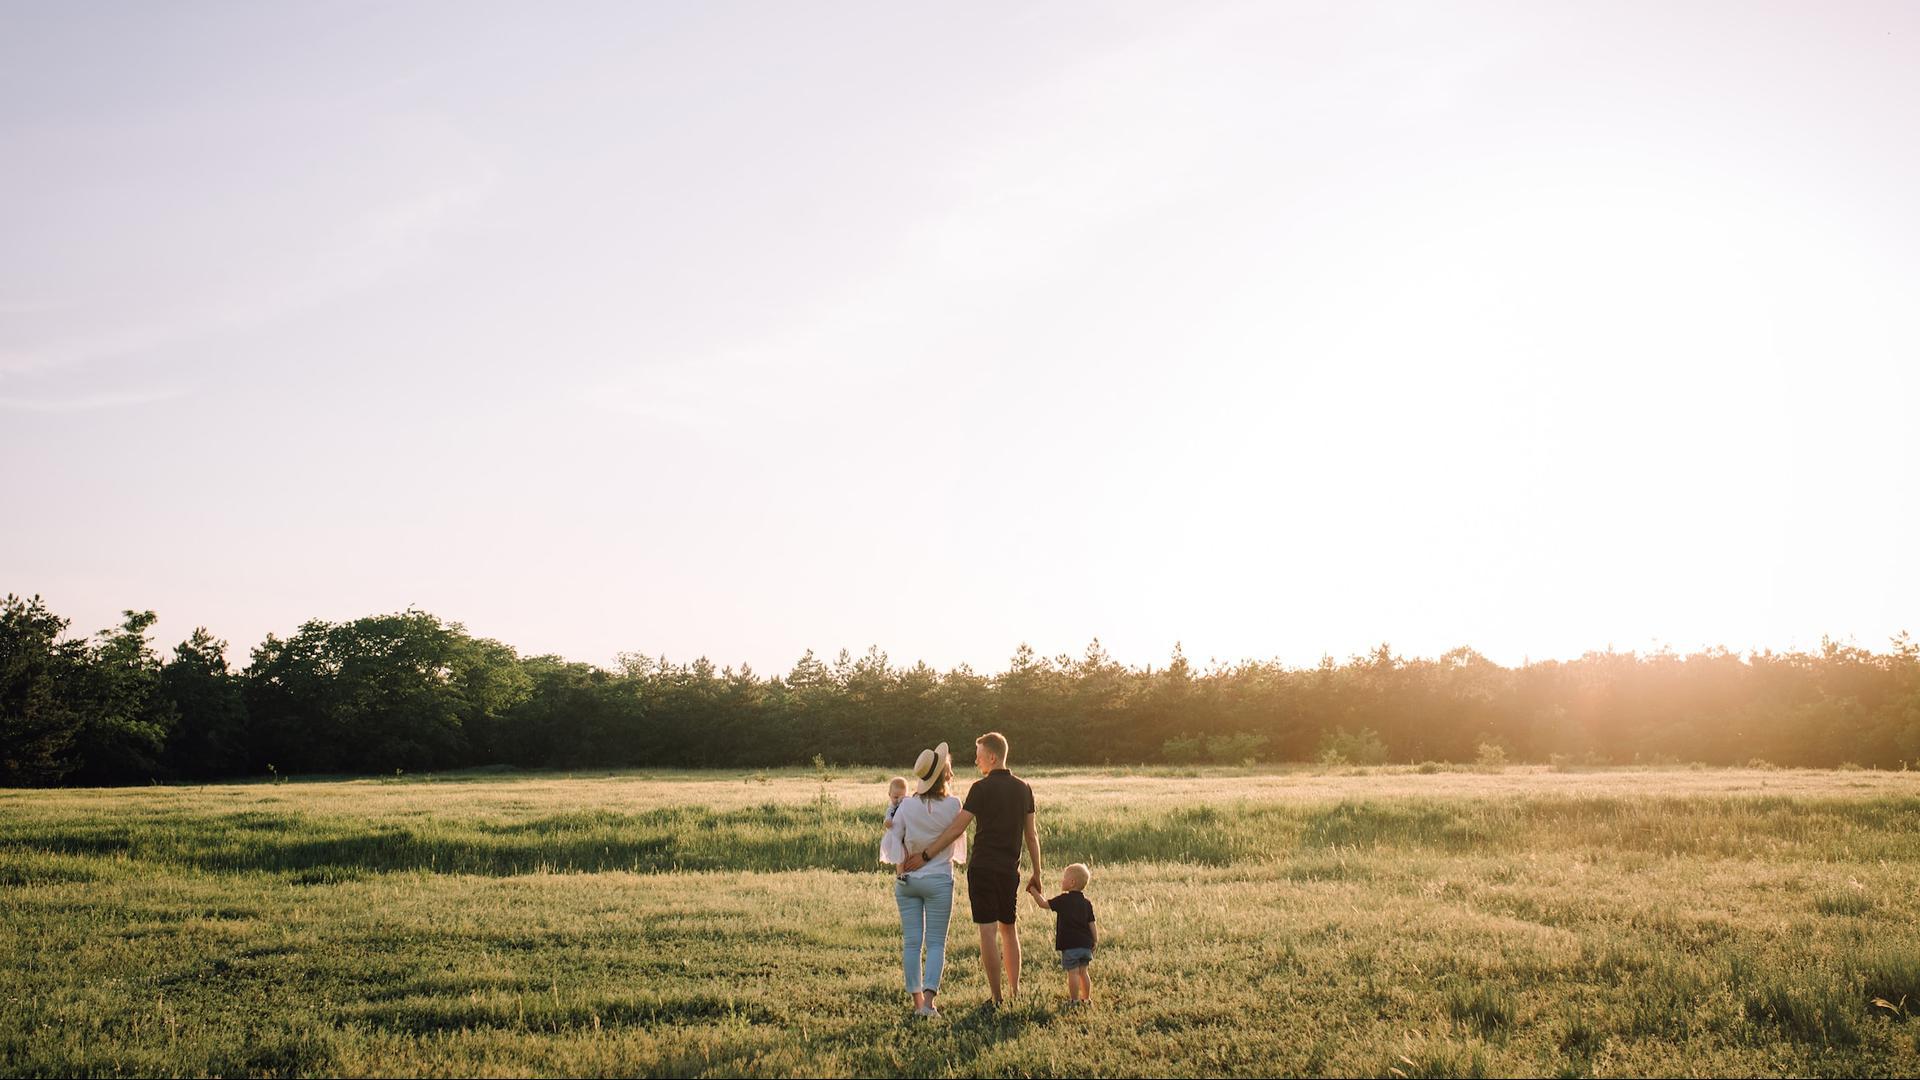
<point x="1003" y="805"/>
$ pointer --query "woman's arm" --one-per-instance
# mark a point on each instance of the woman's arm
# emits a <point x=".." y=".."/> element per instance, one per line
<point x="915" y="859"/>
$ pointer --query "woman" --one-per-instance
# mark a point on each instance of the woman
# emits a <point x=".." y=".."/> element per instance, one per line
<point x="925" y="896"/>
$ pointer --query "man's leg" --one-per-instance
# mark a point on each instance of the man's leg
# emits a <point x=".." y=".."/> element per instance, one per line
<point x="990" y="958"/>
<point x="1010" y="945"/>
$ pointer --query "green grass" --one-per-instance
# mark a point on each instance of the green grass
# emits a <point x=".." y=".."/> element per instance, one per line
<point x="1369" y="923"/>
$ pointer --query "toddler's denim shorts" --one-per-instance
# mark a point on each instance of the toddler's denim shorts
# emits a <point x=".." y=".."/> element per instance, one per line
<point x="1071" y="959"/>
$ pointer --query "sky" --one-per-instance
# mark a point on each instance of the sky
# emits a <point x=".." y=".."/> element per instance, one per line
<point x="1277" y="330"/>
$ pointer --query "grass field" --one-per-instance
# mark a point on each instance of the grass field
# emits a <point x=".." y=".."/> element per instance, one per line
<point x="1376" y="922"/>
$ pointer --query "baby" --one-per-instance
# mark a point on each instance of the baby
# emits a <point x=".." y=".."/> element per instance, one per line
<point x="893" y="847"/>
<point x="1073" y="933"/>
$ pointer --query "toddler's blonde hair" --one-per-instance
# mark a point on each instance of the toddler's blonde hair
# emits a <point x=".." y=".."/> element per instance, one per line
<point x="1077" y="875"/>
<point x="898" y="783"/>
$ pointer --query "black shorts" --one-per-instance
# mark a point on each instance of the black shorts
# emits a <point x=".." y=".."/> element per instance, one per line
<point x="994" y="894"/>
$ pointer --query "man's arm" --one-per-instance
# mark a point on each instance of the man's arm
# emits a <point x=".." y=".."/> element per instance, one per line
<point x="1033" y="851"/>
<point x="960" y="822"/>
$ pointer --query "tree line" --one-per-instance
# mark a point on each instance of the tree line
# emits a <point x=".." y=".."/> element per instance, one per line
<point x="411" y="692"/>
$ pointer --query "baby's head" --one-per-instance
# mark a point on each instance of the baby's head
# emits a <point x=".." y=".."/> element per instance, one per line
<point x="897" y="788"/>
<point x="1074" y="878"/>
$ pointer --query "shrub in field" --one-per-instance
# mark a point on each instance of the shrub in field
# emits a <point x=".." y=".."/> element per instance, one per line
<point x="1342" y="747"/>
<point x="1183" y="749"/>
<point x="1241" y="748"/>
<point x="1491" y="756"/>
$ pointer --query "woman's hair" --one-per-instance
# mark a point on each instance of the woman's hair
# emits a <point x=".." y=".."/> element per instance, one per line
<point x="939" y="788"/>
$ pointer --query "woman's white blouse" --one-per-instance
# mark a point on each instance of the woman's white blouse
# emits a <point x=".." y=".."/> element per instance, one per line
<point x="921" y="822"/>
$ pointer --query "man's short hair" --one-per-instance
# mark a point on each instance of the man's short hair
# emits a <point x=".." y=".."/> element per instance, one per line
<point x="994" y="743"/>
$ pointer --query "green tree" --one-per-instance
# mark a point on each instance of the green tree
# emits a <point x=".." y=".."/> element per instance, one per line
<point x="124" y="718"/>
<point x="38" y="723"/>
<point x="568" y="717"/>
<point x="210" y="738"/>
<point x="403" y="691"/>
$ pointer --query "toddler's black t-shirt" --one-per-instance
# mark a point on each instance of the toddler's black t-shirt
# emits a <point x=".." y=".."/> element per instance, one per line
<point x="1072" y="921"/>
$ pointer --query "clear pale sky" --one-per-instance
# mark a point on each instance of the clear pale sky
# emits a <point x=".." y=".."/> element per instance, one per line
<point x="737" y="330"/>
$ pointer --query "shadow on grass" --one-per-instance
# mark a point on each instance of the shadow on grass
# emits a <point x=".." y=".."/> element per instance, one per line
<point x="991" y="1023"/>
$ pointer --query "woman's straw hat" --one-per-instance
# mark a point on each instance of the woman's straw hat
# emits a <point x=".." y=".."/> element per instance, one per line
<point x="931" y="766"/>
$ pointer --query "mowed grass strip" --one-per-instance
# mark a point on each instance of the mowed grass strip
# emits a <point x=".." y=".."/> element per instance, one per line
<point x="238" y="931"/>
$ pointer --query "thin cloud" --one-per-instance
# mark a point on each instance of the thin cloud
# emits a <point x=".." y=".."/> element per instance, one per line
<point x="1017" y="208"/>
<point x="89" y="402"/>
<point x="26" y="306"/>
<point x="381" y="243"/>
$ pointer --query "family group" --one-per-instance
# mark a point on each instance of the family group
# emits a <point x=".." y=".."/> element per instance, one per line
<point x="925" y="837"/>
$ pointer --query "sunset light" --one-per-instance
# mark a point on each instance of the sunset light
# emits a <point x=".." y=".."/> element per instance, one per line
<point x="1058" y="538"/>
<point x="1279" y="332"/>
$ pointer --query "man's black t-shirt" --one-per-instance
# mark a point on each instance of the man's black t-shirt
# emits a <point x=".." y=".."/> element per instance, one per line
<point x="999" y="803"/>
<point x="1072" y="921"/>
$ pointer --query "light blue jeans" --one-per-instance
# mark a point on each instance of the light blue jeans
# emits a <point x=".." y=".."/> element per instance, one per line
<point x="926" y="905"/>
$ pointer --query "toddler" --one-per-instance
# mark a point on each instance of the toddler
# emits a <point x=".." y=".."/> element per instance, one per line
<point x="1073" y="933"/>
<point x="892" y="846"/>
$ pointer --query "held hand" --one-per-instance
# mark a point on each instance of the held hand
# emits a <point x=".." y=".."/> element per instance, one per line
<point x="913" y="863"/>
<point x="1033" y="883"/>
